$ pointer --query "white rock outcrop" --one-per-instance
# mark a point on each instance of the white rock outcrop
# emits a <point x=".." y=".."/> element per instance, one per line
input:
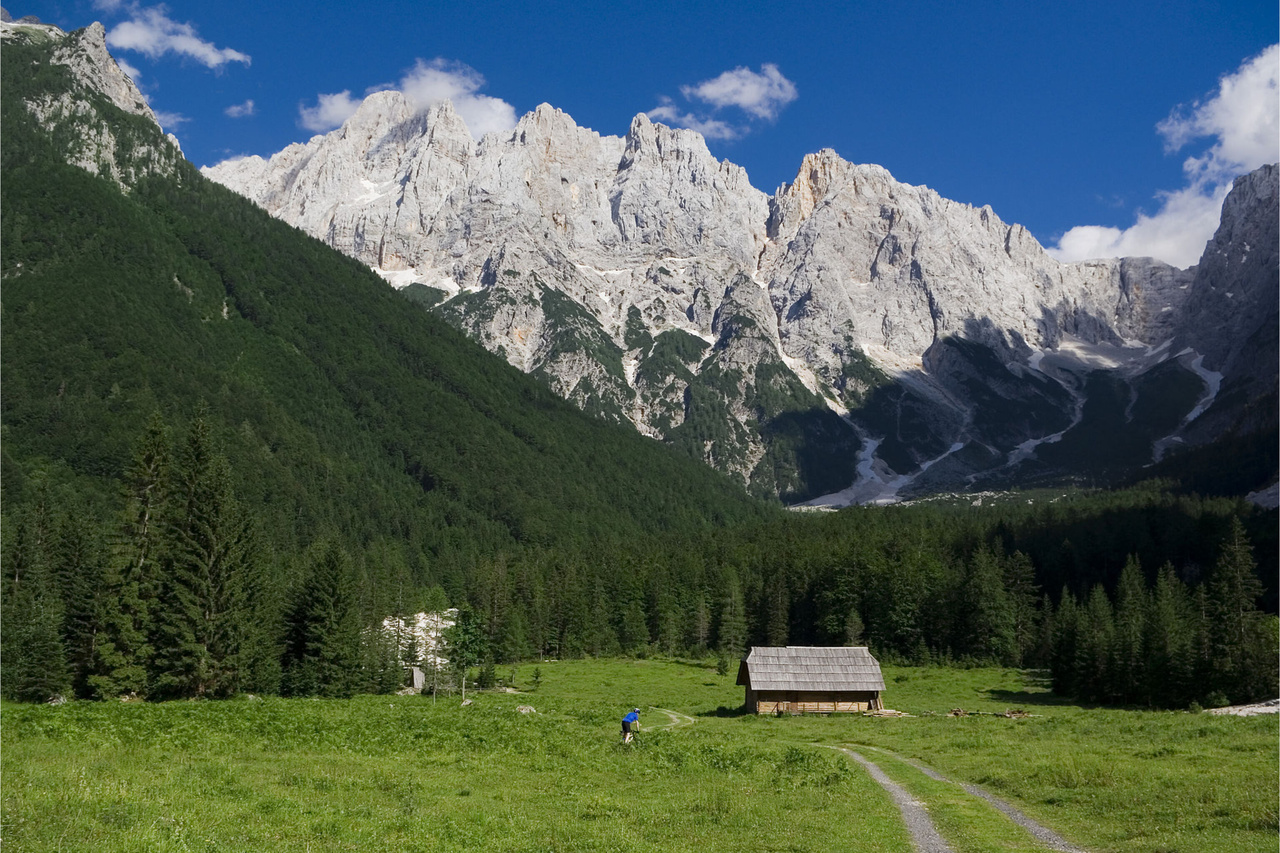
<point x="95" y="145"/>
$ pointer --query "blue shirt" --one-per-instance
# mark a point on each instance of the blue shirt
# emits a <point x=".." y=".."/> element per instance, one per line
<point x="633" y="717"/>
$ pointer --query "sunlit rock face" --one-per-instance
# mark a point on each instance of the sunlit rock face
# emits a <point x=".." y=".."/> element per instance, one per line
<point x="850" y="336"/>
<point x="75" y="117"/>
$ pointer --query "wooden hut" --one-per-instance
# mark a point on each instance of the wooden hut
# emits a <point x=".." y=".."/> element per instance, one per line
<point x="811" y="679"/>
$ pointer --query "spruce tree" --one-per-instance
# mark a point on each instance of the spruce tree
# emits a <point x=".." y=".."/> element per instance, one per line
<point x="208" y="566"/>
<point x="1237" y="638"/>
<point x="131" y="577"/>
<point x="1093" y="648"/>
<point x="1128" y="661"/>
<point x="1020" y="585"/>
<point x="35" y="664"/>
<point x="731" y="634"/>
<point x="777" y="605"/>
<point x="381" y="669"/>
<point x="987" y="616"/>
<point x="464" y="644"/>
<point x="88" y="605"/>
<point x="853" y="626"/>
<point x="1167" y="647"/>
<point x="699" y="633"/>
<point x="322" y="653"/>
<point x="1066" y="639"/>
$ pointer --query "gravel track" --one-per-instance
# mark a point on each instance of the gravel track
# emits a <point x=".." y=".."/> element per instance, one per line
<point x="1045" y="835"/>
<point x="924" y="835"/>
<point x="678" y="720"/>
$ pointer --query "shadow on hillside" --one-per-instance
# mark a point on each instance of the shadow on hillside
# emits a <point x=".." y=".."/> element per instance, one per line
<point x="1041" y="692"/>
<point x="725" y="711"/>
<point x="1018" y="698"/>
<point x="1043" y="696"/>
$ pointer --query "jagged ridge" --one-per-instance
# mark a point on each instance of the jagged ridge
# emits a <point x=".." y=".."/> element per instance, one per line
<point x="835" y="312"/>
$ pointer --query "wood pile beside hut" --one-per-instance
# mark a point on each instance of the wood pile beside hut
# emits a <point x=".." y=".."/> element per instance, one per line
<point x="811" y="680"/>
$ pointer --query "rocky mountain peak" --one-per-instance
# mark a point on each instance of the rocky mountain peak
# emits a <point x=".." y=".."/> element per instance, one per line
<point x="645" y="279"/>
<point x="95" y="143"/>
<point x="93" y="65"/>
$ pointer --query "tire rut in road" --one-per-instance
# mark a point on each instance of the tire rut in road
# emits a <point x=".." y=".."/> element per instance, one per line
<point x="1047" y="836"/>
<point x="924" y="835"/>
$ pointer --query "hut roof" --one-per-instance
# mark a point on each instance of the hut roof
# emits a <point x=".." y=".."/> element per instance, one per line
<point x="810" y="668"/>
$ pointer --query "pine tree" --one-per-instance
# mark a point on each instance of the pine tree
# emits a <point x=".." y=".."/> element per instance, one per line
<point x="35" y="664"/>
<point x="1233" y="590"/>
<point x="204" y="614"/>
<point x="130" y="576"/>
<point x="988" y="619"/>
<point x="1128" y="661"/>
<point x="731" y="635"/>
<point x="322" y="652"/>
<point x="1167" y="647"/>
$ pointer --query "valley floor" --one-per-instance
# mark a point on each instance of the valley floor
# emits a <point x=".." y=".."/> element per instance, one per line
<point x="404" y="772"/>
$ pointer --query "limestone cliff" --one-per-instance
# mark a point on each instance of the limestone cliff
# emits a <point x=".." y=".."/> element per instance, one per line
<point x="850" y="329"/>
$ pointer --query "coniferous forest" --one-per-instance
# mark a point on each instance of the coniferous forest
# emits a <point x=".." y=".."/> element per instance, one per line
<point x="229" y="452"/>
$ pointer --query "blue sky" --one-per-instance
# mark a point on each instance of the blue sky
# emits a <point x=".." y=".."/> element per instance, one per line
<point x="1127" y="116"/>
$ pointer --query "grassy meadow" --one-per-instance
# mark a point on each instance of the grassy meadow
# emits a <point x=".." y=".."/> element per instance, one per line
<point x="411" y="774"/>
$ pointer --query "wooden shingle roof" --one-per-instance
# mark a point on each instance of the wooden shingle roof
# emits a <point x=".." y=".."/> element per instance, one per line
<point x="810" y="668"/>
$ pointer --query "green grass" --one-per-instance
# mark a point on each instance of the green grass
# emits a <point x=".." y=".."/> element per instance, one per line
<point x="404" y="772"/>
<point x="970" y="823"/>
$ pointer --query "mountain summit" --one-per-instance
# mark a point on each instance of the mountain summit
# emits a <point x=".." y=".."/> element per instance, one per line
<point x="851" y="338"/>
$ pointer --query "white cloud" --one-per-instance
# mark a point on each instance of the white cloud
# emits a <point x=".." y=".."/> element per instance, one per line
<point x="133" y="73"/>
<point x="329" y="112"/>
<point x="424" y="85"/>
<point x="151" y="32"/>
<point x="240" y="110"/>
<point x="1243" y="119"/>
<point x="429" y="83"/>
<point x="170" y="120"/>
<point x="1243" y="116"/>
<point x="668" y="113"/>
<point x="762" y="95"/>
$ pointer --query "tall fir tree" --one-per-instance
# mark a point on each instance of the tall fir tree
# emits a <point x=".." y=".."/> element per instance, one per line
<point x="34" y="658"/>
<point x="131" y="577"/>
<point x="322" y="651"/>
<point x="88" y="604"/>
<point x="1168" y="644"/>
<point x="1128" y="658"/>
<point x="731" y="633"/>
<point x="1023" y="591"/>
<point x="208" y="572"/>
<point x="1096" y="634"/>
<point x="988" y="618"/>
<point x="464" y="644"/>
<point x="1066" y="639"/>
<point x="1239" y="639"/>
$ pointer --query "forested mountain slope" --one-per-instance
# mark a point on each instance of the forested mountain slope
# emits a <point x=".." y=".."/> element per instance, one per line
<point x="229" y="452"/>
<point x="136" y="290"/>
